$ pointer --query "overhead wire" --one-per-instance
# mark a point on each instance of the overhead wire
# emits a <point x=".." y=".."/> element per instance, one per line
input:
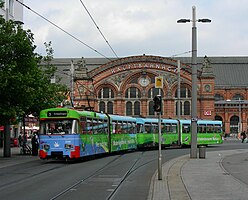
<point x="63" y="30"/>
<point x="98" y="28"/>
<point x="179" y="54"/>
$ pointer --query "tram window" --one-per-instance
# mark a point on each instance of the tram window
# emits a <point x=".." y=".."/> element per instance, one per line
<point x="162" y="128"/>
<point x="173" y="128"/>
<point x="186" y="128"/>
<point x="67" y="126"/>
<point x="105" y="124"/>
<point x="140" y="128"/>
<point x="167" y="129"/>
<point x="201" y="128"/>
<point x="84" y="127"/>
<point x="210" y="128"/>
<point x="89" y="126"/>
<point x="217" y="128"/>
<point x="124" y="127"/>
<point x="148" y="128"/>
<point x="94" y="126"/>
<point x="155" y="128"/>
<point x="117" y="127"/>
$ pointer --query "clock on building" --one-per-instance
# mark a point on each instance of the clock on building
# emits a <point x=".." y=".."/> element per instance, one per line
<point x="144" y="81"/>
<point x="207" y="88"/>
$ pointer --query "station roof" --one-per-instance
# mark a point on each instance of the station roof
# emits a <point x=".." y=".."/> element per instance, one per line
<point x="228" y="71"/>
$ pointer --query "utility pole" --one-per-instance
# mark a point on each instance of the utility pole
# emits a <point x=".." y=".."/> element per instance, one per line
<point x="72" y="83"/>
<point x="193" y="149"/>
<point x="7" y="150"/>
<point x="158" y="108"/>
<point x="7" y="11"/>
<point x="178" y="99"/>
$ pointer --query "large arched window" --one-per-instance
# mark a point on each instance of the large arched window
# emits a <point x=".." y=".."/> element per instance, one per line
<point x="132" y="96"/>
<point x="234" y="124"/>
<point x="106" y="95"/>
<point x="150" y="108"/>
<point x="129" y="108"/>
<point x="102" y="106"/>
<point x="153" y="92"/>
<point x="186" y="108"/>
<point x="185" y="93"/>
<point x="185" y="100"/>
<point x="218" y="97"/>
<point x="238" y="97"/>
<point x="137" y="108"/>
<point x="110" y="107"/>
<point x="132" y="92"/>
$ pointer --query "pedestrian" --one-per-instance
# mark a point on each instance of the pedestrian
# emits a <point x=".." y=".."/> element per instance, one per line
<point x="20" y="140"/>
<point x="35" y="144"/>
<point x="243" y="136"/>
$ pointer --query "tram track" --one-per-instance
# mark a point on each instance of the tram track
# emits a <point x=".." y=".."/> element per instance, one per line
<point x="84" y="179"/>
<point x="26" y="174"/>
<point x="134" y="166"/>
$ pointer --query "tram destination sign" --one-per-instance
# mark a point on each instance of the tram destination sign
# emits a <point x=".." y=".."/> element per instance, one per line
<point x="57" y="114"/>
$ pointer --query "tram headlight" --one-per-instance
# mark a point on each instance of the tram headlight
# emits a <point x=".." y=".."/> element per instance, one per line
<point x="46" y="147"/>
<point x="69" y="146"/>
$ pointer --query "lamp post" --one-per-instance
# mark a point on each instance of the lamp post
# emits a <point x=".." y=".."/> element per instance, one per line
<point x="240" y="117"/>
<point x="193" y="150"/>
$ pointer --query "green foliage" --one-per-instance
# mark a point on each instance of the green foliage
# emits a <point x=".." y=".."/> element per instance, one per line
<point x="25" y="87"/>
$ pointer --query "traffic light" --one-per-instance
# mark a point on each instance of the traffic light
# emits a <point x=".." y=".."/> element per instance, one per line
<point x="157" y="103"/>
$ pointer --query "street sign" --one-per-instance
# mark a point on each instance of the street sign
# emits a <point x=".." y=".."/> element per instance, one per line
<point x="158" y="82"/>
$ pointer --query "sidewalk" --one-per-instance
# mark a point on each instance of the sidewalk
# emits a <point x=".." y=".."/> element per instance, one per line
<point x="15" y="158"/>
<point x="202" y="179"/>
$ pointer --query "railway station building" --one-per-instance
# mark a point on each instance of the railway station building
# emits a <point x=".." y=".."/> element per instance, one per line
<point x="126" y="86"/>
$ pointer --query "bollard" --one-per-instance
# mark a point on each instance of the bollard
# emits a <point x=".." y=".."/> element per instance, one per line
<point x="202" y="152"/>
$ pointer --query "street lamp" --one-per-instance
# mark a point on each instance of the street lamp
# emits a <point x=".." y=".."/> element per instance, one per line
<point x="193" y="150"/>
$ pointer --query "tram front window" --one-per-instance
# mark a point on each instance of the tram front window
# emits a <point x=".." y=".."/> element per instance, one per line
<point x="58" y="127"/>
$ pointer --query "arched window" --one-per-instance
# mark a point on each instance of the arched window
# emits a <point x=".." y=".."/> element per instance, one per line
<point x="137" y="108"/>
<point x="185" y="100"/>
<point x="181" y="110"/>
<point x="110" y="107"/>
<point x="153" y="92"/>
<point x="218" y="118"/>
<point x="184" y="92"/>
<point x="129" y="108"/>
<point x="132" y="92"/>
<point x="218" y="97"/>
<point x="150" y="109"/>
<point x="132" y="105"/>
<point x="102" y="106"/>
<point x="105" y="92"/>
<point x="106" y="95"/>
<point x="186" y="108"/>
<point x="238" y="97"/>
<point x="234" y="124"/>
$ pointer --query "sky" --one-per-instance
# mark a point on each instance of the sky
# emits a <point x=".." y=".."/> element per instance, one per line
<point x="137" y="27"/>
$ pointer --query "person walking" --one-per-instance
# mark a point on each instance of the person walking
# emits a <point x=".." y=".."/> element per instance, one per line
<point x="243" y="136"/>
<point x="35" y="144"/>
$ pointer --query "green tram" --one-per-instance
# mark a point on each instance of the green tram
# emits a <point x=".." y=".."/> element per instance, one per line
<point x="71" y="134"/>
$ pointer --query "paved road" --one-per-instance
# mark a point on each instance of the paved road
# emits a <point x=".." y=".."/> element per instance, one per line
<point x="32" y="178"/>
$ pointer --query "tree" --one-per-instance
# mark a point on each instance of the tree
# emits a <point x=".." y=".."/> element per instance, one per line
<point x="25" y="86"/>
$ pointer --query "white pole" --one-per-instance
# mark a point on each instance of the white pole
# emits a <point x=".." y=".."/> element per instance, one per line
<point x="159" y="148"/>
<point x="193" y="152"/>
<point x="7" y="10"/>
<point x="72" y="83"/>
<point x="178" y="98"/>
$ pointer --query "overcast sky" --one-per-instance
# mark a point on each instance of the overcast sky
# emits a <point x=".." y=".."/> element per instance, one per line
<point x="136" y="27"/>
